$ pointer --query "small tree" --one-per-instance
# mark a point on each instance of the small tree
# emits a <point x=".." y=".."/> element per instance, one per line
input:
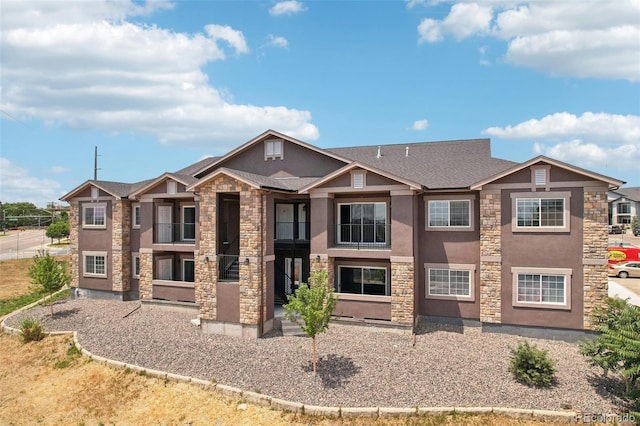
<point x="311" y="308"/>
<point x="47" y="274"/>
<point x="58" y="230"/>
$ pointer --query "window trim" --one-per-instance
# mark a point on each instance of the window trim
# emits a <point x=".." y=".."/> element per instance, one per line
<point x="86" y="206"/>
<point x="135" y="256"/>
<point x="386" y="223"/>
<point x="546" y="177"/>
<point x="135" y="207"/>
<point x="172" y="187"/>
<point x="387" y="285"/>
<point x="471" y="268"/>
<point x="182" y="263"/>
<point x="273" y="155"/>
<point x="566" y="272"/>
<point x="183" y="223"/>
<point x="94" y="254"/>
<point x="362" y="174"/>
<point x="462" y="197"/>
<point x="565" y="195"/>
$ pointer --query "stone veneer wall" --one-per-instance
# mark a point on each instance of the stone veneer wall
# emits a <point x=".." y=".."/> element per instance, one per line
<point x="74" y="220"/>
<point x="594" y="251"/>
<point x="402" y="279"/>
<point x="121" y="246"/>
<point x="145" y="287"/>
<point x="324" y="264"/>
<point x="250" y="247"/>
<point x="490" y="257"/>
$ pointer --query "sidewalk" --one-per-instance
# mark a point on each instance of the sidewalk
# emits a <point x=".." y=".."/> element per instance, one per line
<point x="624" y="291"/>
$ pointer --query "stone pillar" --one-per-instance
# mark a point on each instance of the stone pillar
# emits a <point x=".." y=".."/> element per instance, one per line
<point x="121" y="246"/>
<point x="490" y="257"/>
<point x="145" y="287"/>
<point x="250" y="248"/>
<point x="594" y="252"/>
<point x="325" y="263"/>
<point x="206" y="262"/>
<point x="75" y="222"/>
<point x="402" y="294"/>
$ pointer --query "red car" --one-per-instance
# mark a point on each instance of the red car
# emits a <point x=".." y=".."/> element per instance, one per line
<point x="623" y="253"/>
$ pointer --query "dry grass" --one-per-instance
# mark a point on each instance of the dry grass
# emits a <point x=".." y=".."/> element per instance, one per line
<point x="13" y="277"/>
<point x="84" y="392"/>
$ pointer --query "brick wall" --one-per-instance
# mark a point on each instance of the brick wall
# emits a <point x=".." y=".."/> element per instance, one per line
<point x="490" y="255"/>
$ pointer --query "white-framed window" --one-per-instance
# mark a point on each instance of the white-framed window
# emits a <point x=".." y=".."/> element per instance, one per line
<point x="95" y="264"/>
<point x="135" y="265"/>
<point x="135" y="215"/>
<point x="94" y="215"/>
<point x="541" y="287"/>
<point x="172" y="187"/>
<point x="362" y="223"/>
<point x="450" y="281"/>
<point x="273" y="148"/>
<point x="540" y="211"/>
<point x="188" y="270"/>
<point x="449" y="213"/>
<point x="371" y="280"/>
<point x="188" y="223"/>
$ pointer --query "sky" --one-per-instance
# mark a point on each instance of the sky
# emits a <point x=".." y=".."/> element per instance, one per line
<point x="158" y="85"/>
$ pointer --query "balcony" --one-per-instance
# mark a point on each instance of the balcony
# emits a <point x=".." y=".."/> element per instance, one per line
<point x="363" y="236"/>
<point x="228" y="267"/>
<point x="292" y="231"/>
<point x="174" y="233"/>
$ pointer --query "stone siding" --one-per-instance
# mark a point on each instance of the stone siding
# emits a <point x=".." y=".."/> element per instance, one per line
<point x="145" y="287"/>
<point x="121" y="245"/>
<point x="74" y="220"/>
<point x="402" y="285"/>
<point x="595" y="238"/>
<point x="251" y="282"/>
<point x="490" y="251"/>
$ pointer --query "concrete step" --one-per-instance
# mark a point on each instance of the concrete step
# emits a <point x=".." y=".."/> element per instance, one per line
<point x="290" y="328"/>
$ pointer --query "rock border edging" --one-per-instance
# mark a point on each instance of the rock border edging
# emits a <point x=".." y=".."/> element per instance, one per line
<point x="308" y="409"/>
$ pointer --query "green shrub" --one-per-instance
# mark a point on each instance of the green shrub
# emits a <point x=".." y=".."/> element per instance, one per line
<point x="31" y="330"/>
<point x="531" y="365"/>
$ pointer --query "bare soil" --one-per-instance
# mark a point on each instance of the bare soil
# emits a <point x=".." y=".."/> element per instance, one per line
<point x="43" y="384"/>
<point x="14" y="280"/>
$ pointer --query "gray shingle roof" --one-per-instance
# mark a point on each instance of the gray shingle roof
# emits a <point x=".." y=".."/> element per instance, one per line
<point x="632" y="193"/>
<point x="436" y="165"/>
<point x="192" y="169"/>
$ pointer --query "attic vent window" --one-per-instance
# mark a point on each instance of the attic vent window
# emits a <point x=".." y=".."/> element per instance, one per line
<point x="273" y="149"/>
<point x="172" y="187"/>
<point x="540" y="177"/>
<point x="358" y="180"/>
<point x="94" y="193"/>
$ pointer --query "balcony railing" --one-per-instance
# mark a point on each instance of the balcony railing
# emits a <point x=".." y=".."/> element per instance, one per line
<point x="228" y="267"/>
<point x="292" y="231"/>
<point x="363" y="236"/>
<point x="174" y="233"/>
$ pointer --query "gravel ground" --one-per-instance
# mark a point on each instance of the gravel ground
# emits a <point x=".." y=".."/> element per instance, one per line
<point x="358" y="366"/>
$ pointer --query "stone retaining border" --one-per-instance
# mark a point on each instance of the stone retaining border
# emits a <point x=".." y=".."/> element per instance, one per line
<point x="312" y="410"/>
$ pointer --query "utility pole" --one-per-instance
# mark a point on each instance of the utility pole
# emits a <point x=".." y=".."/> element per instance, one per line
<point x="95" y="163"/>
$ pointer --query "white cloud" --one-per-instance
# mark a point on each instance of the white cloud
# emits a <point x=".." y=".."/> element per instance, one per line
<point x="288" y="7"/>
<point x="106" y="73"/>
<point x="420" y="125"/>
<point x="598" y="39"/>
<point x="59" y="169"/>
<point x="592" y="140"/>
<point x="277" y="41"/>
<point x="16" y="182"/>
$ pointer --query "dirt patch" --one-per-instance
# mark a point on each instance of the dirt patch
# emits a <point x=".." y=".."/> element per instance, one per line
<point x="34" y="390"/>
<point x="14" y="280"/>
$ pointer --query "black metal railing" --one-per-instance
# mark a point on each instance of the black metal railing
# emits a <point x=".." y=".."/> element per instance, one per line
<point x="363" y="236"/>
<point x="169" y="233"/>
<point x="292" y="231"/>
<point x="228" y="267"/>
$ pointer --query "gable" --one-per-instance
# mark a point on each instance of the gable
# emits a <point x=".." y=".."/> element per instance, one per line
<point x="345" y="180"/>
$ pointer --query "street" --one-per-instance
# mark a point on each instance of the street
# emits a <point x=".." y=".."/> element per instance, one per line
<point x="25" y="244"/>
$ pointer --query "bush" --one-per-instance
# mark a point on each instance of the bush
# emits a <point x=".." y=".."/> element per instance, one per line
<point x="31" y="330"/>
<point x="531" y="365"/>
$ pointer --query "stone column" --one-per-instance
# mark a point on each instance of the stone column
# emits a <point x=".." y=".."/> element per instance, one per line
<point x="75" y="223"/>
<point x="402" y="294"/>
<point x="490" y="257"/>
<point x="594" y="251"/>
<point x="145" y="287"/>
<point x="121" y="246"/>
<point x="206" y="262"/>
<point x="325" y="263"/>
<point x="250" y="249"/>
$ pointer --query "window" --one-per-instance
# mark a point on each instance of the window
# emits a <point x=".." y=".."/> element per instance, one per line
<point x="450" y="281"/>
<point x="189" y="223"/>
<point x="135" y="215"/>
<point x="95" y="264"/>
<point x="363" y="280"/>
<point x="542" y="287"/>
<point x="358" y="179"/>
<point x="93" y="215"/>
<point x="135" y="265"/>
<point x="273" y="149"/>
<point x="540" y="212"/>
<point x="449" y="213"/>
<point x="362" y="223"/>
<point x="172" y="187"/>
<point x="188" y="270"/>
<point x="624" y="208"/>
<point x="95" y="192"/>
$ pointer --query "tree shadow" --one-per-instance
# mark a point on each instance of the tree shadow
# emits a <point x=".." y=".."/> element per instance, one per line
<point x="64" y="313"/>
<point x="334" y="370"/>
<point x="611" y="388"/>
<point x="454" y="325"/>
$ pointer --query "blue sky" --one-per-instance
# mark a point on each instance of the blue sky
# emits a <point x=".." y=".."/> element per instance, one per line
<point x="159" y="85"/>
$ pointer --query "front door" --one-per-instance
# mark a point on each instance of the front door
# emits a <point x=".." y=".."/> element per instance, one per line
<point x="293" y="271"/>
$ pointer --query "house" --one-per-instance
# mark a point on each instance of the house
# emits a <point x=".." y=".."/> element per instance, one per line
<point x="438" y="229"/>
<point x="624" y="205"/>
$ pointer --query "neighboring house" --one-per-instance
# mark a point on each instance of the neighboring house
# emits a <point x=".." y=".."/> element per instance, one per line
<point x="624" y="205"/>
<point x="439" y="229"/>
